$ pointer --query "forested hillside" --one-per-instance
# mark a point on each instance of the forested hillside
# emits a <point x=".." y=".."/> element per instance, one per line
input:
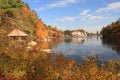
<point x="111" y="31"/>
<point x="16" y="14"/>
<point x="54" y="31"/>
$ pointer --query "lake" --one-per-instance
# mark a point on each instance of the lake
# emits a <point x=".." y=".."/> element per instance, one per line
<point x="78" y="48"/>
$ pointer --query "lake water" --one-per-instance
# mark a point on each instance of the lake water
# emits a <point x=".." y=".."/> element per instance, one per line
<point x="78" y="48"/>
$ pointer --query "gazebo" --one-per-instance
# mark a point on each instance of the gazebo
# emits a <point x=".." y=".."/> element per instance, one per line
<point x="17" y="33"/>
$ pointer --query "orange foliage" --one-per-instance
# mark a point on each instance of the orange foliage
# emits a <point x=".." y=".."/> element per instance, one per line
<point x="44" y="45"/>
<point x="54" y="32"/>
<point x="49" y="44"/>
<point x="42" y="33"/>
<point x="26" y="12"/>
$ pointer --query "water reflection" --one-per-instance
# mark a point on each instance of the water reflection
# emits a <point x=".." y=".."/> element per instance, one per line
<point x="78" y="40"/>
<point x="74" y="40"/>
<point x="68" y="40"/>
<point x="117" y="49"/>
<point x="113" y="44"/>
<point x="45" y="45"/>
<point x="78" y="48"/>
<point x="53" y="43"/>
<point x="50" y="43"/>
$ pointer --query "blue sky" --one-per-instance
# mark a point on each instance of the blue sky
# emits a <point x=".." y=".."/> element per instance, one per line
<point x="90" y="15"/>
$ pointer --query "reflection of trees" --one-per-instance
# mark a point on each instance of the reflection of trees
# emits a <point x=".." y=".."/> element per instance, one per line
<point x="74" y="40"/>
<point x="50" y="44"/>
<point x="56" y="41"/>
<point x="111" y="41"/>
<point x="44" y="45"/>
<point x="116" y="48"/>
<point x="78" y="40"/>
<point x="114" y="44"/>
<point x="112" y="32"/>
<point x="68" y="40"/>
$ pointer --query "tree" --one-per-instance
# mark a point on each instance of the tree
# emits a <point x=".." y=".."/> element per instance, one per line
<point x="111" y="31"/>
<point x="97" y="33"/>
<point x="67" y="32"/>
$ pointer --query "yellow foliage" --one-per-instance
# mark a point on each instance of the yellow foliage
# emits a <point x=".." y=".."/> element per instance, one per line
<point x="17" y="73"/>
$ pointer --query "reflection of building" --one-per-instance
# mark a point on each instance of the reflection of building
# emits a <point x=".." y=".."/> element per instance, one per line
<point x="78" y="33"/>
<point x="78" y="40"/>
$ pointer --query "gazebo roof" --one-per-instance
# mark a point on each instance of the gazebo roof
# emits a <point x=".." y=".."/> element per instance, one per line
<point x="17" y="32"/>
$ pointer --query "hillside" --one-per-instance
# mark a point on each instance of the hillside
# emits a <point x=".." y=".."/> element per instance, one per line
<point x="54" y="31"/>
<point x="111" y="31"/>
<point x="16" y="14"/>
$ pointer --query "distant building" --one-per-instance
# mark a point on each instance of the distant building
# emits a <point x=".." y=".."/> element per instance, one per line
<point x="78" y="33"/>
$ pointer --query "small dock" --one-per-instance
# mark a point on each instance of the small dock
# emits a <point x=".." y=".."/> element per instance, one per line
<point x="50" y="51"/>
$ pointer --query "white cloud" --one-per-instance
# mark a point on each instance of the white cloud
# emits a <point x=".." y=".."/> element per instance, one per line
<point x="63" y="19"/>
<point x="61" y="3"/>
<point x="94" y="17"/>
<point x="85" y="12"/>
<point x="113" y="6"/>
<point x="84" y="15"/>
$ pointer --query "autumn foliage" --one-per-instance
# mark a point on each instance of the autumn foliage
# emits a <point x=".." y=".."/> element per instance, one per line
<point x="19" y="63"/>
<point x="111" y="31"/>
<point x="35" y="65"/>
<point x="42" y="32"/>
